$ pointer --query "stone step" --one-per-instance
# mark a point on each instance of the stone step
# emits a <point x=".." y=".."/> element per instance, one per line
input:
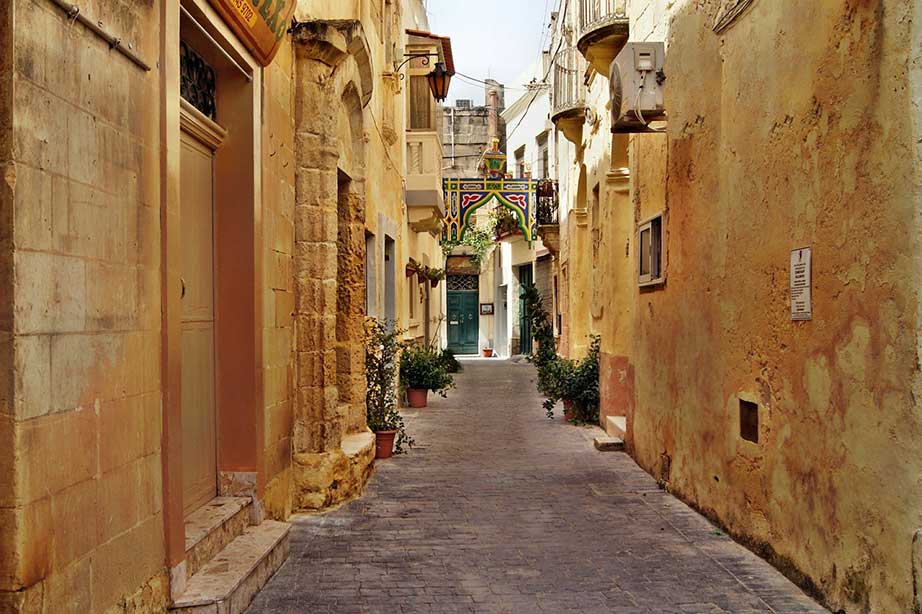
<point x="227" y="583"/>
<point x="608" y="444"/>
<point x="212" y="527"/>
<point x="616" y="426"/>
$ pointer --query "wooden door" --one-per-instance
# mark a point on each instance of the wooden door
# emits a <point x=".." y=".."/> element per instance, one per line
<point x="199" y="446"/>
<point x="526" y="279"/>
<point x="463" y="322"/>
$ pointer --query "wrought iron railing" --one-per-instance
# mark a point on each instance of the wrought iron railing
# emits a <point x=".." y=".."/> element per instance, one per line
<point x="547" y="209"/>
<point x="569" y="87"/>
<point x="594" y="14"/>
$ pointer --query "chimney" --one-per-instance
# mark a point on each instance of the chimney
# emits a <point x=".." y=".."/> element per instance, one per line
<point x="493" y="105"/>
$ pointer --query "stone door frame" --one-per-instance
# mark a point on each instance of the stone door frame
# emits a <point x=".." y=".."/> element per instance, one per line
<point x="238" y="274"/>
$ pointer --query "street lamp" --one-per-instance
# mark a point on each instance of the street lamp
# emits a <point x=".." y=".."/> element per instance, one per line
<point x="439" y="79"/>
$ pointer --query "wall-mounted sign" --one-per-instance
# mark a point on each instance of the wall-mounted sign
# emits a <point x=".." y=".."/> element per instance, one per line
<point x="260" y="24"/>
<point x="801" y="284"/>
<point x="486" y="309"/>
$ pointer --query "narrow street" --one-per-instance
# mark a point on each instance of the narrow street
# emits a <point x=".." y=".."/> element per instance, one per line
<point x="498" y="509"/>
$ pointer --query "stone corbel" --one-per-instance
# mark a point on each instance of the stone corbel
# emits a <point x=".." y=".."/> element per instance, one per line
<point x="331" y="42"/>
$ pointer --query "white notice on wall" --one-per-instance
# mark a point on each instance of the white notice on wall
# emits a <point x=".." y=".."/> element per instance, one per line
<point x="801" y="285"/>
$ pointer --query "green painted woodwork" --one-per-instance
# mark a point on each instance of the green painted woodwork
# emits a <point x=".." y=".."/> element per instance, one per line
<point x="463" y="322"/>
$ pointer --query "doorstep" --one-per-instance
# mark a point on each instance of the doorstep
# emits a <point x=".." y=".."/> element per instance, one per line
<point x="228" y="582"/>
<point x="212" y="527"/>
<point x="616" y="426"/>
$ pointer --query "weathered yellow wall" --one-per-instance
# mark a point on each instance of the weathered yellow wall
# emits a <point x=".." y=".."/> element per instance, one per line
<point x="794" y="128"/>
<point x="83" y="527"/>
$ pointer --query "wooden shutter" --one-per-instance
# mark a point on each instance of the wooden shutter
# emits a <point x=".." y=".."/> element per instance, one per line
<point x="420" y="104"/>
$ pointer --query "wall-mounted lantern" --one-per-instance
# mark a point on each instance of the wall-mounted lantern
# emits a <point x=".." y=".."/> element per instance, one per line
<point x="439" y="78"/>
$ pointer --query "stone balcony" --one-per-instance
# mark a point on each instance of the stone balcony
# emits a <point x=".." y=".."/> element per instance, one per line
<point x="568" y="105"/>
<point x="603" y="31"/>
<point x="424" y="197"/>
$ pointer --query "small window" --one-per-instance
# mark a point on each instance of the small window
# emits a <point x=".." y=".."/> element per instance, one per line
<point x="520" y="162"/>
<point x="371" y="276"/>
<point x="412" y="287"/>
<point x="749" y="421"/>
<point x="420" y="104"/>
<point x="651" y="253"/>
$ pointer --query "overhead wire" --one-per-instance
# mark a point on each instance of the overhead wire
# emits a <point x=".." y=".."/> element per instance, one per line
<point x="546" y="74"/>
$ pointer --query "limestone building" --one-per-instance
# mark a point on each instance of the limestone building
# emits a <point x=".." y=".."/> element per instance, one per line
<point x="466" y="131"/>
<point x="201" y="202"/>
<point x="791" y="132"/>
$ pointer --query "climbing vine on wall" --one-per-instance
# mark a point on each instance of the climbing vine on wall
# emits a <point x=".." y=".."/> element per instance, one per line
<point x="479" y="238"/>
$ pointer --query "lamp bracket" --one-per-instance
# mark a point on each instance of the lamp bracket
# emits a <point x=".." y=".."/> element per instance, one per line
<point x="409" y="58"/>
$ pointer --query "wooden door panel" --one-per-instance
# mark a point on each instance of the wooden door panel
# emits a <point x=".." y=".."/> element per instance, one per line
<point x="199" y="438"/>
<point x="471" y="318"/>
<point x="197" y="222"/>
<point x="198" y="410"/>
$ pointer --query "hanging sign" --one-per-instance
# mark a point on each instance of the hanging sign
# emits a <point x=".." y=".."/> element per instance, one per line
<point x="801" y="284"/>
<point x="260" y="24"/>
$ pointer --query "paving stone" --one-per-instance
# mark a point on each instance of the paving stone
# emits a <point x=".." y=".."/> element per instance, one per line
<point x="499" y="509"/>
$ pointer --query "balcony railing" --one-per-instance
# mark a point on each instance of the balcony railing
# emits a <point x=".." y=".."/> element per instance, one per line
<point x="548" y="205"/>
<point x="603" y="30"/>
<point x="569" y="86"/>
<point x="595" y="14"/>
<point x="424" y="155"/>
<point x="425" y="203"/>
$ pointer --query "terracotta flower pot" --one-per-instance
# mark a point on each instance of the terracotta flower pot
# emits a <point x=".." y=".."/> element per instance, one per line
<point x="487" y="353"/>
<point x="384" y="443"/>
<point x="418" y="397"/>
<point x="569" y="410"/>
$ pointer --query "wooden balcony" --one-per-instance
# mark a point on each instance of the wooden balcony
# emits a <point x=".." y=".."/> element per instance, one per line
<point x="425" y="200"/>
<point x="568" y="106"/>
<point x="603" y="31"/>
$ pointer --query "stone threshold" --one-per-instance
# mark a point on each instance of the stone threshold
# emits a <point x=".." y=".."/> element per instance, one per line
<point x="228" y="583"/>
<point x="212" y="527"/>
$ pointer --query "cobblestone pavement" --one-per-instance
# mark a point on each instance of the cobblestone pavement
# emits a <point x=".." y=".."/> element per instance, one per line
<point x="499" y="509"/>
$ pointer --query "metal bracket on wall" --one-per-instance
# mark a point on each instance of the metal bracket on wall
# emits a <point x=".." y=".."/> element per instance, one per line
<point x="74" y="14"/>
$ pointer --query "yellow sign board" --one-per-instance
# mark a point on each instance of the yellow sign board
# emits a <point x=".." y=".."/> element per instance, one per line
<point x="260" y="24"/>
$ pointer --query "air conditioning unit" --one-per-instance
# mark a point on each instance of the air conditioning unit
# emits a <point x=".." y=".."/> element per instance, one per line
<point x="636" y="79"/>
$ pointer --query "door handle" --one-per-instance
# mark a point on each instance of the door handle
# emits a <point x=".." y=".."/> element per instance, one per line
<point x="183" y="283"/>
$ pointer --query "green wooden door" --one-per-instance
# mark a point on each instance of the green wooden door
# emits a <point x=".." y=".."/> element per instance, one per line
<point x="526" y="279"/>
<point x="463" y="322"/>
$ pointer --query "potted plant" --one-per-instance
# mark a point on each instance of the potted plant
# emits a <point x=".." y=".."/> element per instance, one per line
<point x="576" y="383"/>
<point x="412" y="268"/>
<point x="422" y="369"/>
<point x="488" y="351"/>
<point x="382" y="347"/>
<point x="435" y="276"/>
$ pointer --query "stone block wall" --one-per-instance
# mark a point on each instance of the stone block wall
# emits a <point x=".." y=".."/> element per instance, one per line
<point x="79" y="322"/>
<point x="278" y="181"/>
<point x="329" y="263"/>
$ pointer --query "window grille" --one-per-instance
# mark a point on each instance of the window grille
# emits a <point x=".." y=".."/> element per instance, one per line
<point x="463" y="283"/>
<point x="197" y="82"/>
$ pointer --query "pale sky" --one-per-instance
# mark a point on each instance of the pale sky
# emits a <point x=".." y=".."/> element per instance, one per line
<point x="496" y="39"/>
